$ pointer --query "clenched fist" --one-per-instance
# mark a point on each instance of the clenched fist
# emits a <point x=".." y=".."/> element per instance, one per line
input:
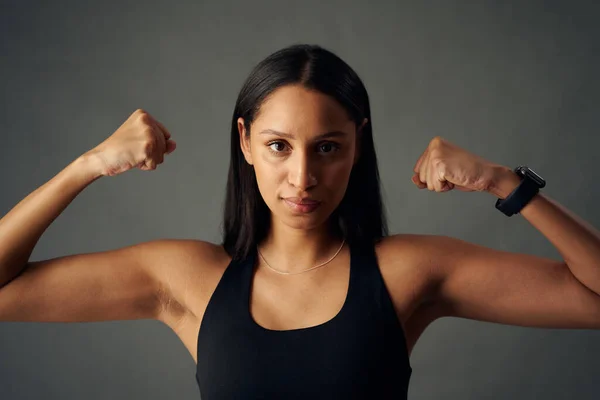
<point x="140" y="142"/>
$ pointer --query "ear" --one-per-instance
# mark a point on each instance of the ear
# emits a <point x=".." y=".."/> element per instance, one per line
<point x="357" y="147"/>
<point x="244" y="141"/>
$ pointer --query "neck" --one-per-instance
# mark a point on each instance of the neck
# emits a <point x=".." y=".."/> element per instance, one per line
<point x="294" y="250"/>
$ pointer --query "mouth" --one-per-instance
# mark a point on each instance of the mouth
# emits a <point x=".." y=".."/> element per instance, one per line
<point x="302" y="201"/>
<point x="299" y="205"/>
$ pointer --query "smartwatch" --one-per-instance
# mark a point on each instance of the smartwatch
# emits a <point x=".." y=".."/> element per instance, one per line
<point x="531" y="183"/>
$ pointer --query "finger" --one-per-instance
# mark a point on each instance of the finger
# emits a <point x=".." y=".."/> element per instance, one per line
<point x="423" y="171"/>
<point x="419" y="162"/>
<point x="430" y="176"/>
<point x="171" y="145"/>
<point x="160" y="137"/>
<point x="436" y="181"/>
<point x="149" y="164"/>
<point x="415" y="179"/>
<point x="159" y="152"/>
<point x="439" y="185"/>
<point x="447" y="186"/>
<point x="161" y="128"/>
<point x="164" y="129"/>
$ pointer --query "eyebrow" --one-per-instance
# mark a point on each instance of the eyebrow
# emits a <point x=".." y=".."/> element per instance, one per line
<point x="290" y="136"/>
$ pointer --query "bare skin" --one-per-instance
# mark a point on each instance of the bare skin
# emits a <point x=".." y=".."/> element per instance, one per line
<point x="427" y="276"/>
<point x="280" y="303"/>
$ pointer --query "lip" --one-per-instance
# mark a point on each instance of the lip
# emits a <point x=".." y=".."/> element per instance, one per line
<point x="301" y="201"/>
<point x="298" y="205"/>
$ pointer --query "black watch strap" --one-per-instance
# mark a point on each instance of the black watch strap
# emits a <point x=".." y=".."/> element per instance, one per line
<point x="518" y="198"/>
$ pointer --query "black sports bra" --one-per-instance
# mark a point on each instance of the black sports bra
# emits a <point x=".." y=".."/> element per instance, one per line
<point x="359" y="354"/>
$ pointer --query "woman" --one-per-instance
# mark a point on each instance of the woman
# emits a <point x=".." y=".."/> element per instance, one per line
<point x="307" y="296"/>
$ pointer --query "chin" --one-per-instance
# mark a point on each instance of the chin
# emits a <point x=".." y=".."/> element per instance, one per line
<point x="302" y="225"/>
<point x="305" y="221"/>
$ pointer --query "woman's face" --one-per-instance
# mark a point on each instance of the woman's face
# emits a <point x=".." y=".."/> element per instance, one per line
<point x="302" y="146"/>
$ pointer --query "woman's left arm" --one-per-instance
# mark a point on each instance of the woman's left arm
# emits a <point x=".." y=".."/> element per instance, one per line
<point x="577" y="241"/>
<point x="477" y="282"/>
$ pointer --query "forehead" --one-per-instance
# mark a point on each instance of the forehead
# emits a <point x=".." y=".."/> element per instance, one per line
<point x="295" y="108"/>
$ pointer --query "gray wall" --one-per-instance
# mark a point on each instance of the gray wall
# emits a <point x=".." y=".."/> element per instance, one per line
<point x="515" y="83"/>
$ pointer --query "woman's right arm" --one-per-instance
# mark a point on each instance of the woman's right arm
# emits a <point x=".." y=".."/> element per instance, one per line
<point x="117" y="284"/>
<point x="23" y="226"/>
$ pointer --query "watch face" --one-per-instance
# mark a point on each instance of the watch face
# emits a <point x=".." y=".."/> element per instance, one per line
<point x="533" y="176"/>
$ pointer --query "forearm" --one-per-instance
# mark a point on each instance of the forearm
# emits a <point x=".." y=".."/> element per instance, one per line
<point x="576" y="240"/>
<point x="24" y="224"/>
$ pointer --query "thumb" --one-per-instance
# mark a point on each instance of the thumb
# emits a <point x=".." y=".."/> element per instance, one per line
<point x="171" y="145"/>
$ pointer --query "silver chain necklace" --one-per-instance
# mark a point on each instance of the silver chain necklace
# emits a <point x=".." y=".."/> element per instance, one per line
<point x="294" y="273"/>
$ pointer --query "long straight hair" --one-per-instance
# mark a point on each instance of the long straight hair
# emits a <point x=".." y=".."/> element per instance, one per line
<point x="360" y="216"/>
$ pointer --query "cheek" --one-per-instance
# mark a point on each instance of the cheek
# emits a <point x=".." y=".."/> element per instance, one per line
<point x="337" y="175"/>
<point x="268" y="178"/>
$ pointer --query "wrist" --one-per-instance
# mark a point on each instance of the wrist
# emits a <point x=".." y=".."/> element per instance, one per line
<point x="504" y="180"/>
<point x="89" y="167"/>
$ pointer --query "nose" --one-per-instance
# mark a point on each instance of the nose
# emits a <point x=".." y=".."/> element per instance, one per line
<point x="301" y="174"/>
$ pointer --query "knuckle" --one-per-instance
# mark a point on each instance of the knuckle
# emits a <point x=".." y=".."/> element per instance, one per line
<point x="437" y="161"/>
<point x="148" y="132"/>
<point x="149" y="163"/>
<point x="149" y="145"/>
<point x="436" y="152"/>
<point x="442" y="171"/>
<point x="144" y="119"/>
<point x="436" y="142"/>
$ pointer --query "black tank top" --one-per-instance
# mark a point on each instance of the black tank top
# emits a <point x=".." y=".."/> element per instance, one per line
<point x="358" y="354"/>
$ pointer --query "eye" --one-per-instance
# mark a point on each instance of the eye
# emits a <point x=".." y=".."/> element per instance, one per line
<point x="276" y="147"/>
<point x="329" y="147"/>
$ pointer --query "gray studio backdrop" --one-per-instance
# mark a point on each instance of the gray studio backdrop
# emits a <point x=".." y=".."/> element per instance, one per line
<point x="514" y="82"/>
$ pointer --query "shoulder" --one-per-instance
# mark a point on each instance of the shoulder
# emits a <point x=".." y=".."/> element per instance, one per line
<point x="406" y="247"/>
<point x="421" y="250"/>
<point x="412" y="257"/>
<point x="182" y="254"/>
